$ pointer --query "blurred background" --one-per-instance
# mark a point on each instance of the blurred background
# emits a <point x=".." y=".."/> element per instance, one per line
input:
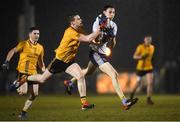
<point x="134" y="18"/>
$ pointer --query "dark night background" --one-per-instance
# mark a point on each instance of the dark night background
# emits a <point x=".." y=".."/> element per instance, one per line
<point x="134" y="18"/>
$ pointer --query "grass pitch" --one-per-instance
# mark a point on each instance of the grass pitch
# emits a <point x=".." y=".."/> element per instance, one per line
<point x="108" y="107"/>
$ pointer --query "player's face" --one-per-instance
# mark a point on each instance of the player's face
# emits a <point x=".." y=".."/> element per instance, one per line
<point x="110" y="13"/>
<point x="147" y="40"/>
<point x="77" y="21"/>
<point x="34" y="35"/>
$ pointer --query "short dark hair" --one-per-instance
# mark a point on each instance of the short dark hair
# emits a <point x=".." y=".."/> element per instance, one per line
<point x="148" y="36"/>
<point x="107" y="6"/>
<point x="71" y="17"/>
<point x="33" y="28"/>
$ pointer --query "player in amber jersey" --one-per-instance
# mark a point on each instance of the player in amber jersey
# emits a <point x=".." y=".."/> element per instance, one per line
<point x="65" y="58"/>
<point x="31" y="54"/>
<point x="143" y="55"/>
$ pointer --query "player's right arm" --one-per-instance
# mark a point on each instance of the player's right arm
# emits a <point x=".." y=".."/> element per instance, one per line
<point x="14" y="50"/>
<point x="10" y="54"/>
<point x="90" y="37"/>
<point x="137" y="55"/>
<point x="5" y="65"/>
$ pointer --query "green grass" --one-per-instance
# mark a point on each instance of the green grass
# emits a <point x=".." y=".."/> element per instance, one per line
<point x="108" y="107"/>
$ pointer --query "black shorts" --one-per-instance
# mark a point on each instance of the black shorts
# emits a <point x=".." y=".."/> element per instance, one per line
<point x="57" y="66"/>
<point x="97" y="58"/>
<point x="143" y="72"/>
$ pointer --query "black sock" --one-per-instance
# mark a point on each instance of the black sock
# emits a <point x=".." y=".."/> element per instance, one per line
<point x="23" y="112"/>
<point x="132" y="95"/>
<point x="148" y="98"/>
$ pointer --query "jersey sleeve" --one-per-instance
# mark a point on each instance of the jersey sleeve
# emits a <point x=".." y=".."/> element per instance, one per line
<point x="138" y="50"/>
<point x="71" y="35"/>
<point x="115" y="29"/>
<point x="95" y="25"/>
<point x="42" y="53"/>
<point x="74" y="35"/>
<point x="20" y="46"/>
<point x="153" y="49"/>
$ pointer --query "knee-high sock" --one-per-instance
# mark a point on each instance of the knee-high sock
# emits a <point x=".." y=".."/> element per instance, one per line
<point x="27" y="105"/>
<point x="81" y="86"/>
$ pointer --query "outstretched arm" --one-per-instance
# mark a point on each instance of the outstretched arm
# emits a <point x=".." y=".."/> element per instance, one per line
<point x="90" y="37"/>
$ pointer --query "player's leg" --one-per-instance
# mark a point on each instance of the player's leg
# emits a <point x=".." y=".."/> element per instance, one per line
<point x="40" y="78"/>
<point x="149" y="77"/>
<point x="87" y="71"/>
<point x="33" y="89"/>
<point x="138" y="83"/>
<point x="22" y="89"/>
<point x="16" y="84"/>
<point x="37" y="78"/>
<point x="75" y="71"/>
<point x="54" y="67"/>
<point x="109" y="70"/>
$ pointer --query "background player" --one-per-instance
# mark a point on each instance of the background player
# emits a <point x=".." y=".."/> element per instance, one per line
<point x="144" y="53"/>
<point x="31" y="54"/>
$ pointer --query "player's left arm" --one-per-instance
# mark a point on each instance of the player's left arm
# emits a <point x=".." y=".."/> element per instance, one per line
<point x="114" y="42"/>
<point x="153" y="51"/>
<point x="41" y="61"/>
<point x="115" y="33"/>
<point x="138" y="53"/>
